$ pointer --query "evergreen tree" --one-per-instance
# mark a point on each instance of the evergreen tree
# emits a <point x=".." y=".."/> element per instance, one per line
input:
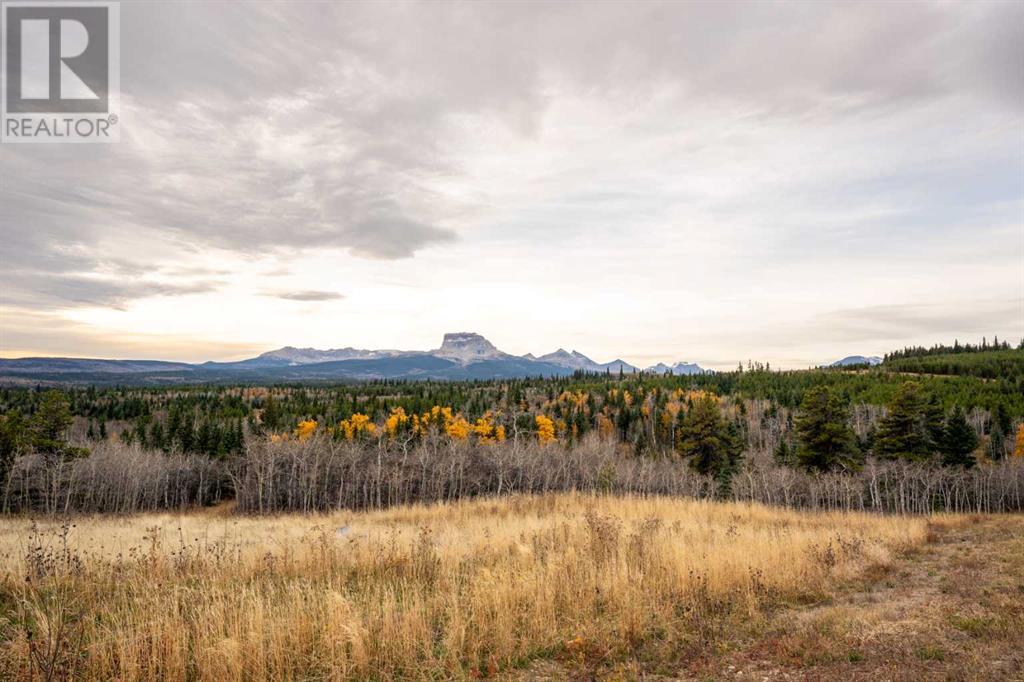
<point x="825" y="438"/>
<point x="903" y="432"/>
<point x="14" y="440"/>
<point x="959" y="440"/>
<point x="50" y="423"/>
<point x="734" y="441"/>
<point x="935" y="423"/>
<point x="271" y="417"/>
<point x="784" y="454"/>
<point x="996" y="443"/>
<point x="156" y="435"/>
<point x="706" y="438"/>
<point x="1001" y="417"/>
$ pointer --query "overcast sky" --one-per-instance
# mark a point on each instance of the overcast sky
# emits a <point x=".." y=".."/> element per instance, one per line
<point x="654" y="181"/>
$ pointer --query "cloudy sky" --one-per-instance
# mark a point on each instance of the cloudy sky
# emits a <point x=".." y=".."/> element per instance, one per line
<point x="656" y="181"/>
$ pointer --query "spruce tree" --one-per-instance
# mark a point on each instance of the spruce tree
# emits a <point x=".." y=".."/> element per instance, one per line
<point x="783" y="453"/>
<point x="903" y="432"/>
<point x="14" y="440"/>
<point x="935" y="423"/>
<point x="825" y="439"/>
<point x="959" y="440"/>
<point x="271" y="416"/>
<point x="1001" y="417"/>
<point x="713" y="446"/>
<point x="50" y="423"/>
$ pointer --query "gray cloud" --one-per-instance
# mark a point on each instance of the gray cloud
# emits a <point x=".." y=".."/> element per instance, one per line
<point x="311" y="295"/>
<point x="46" y="290"/>
<point x="270" y="129"/>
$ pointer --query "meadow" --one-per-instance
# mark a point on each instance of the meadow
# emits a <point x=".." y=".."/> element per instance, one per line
<point x="467" y="589"/>
<point x="755" y="526"/>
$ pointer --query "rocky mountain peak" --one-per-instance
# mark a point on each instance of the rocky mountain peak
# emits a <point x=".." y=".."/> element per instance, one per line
<point x="467" y="347"/>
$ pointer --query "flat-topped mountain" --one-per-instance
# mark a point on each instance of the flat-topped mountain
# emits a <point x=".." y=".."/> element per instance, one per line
<point x="467" y="347"/>
<point x="462" y="355"/>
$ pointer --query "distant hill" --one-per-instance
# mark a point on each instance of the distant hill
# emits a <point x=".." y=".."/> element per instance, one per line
<point x="461" y="355"/>
<point x="1005" y="364"/>
<point x="857" y="360"/>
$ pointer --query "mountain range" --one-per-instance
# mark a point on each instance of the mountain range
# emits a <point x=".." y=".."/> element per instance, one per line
<point x="462" y="355"/>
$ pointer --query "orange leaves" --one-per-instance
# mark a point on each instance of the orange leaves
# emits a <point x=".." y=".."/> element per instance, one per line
<point x="545" y="429"/>
<point x="357" y="425"/>
<point x="577" y="399"/>
<point x="395" y="421"/>
<point x="696" y="395"/>
<point x="437" y="420"/>
<point x="302" y="432"/>
<point x="457" y="428"/>
<point x="486" y="432"/>
<point x="1018" y="448"/>
<point x="305" y="429"/>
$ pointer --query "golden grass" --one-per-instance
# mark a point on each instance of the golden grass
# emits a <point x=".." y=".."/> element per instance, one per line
<point x="458" y="590"/>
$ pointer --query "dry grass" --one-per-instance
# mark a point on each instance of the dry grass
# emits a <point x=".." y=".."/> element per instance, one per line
<point x="461" y="590"/>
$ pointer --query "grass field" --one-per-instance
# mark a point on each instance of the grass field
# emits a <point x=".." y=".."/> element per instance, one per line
<point x="533" y="587"/>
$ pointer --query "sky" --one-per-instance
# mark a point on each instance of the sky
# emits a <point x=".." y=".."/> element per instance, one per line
<point x="782" y="182"/>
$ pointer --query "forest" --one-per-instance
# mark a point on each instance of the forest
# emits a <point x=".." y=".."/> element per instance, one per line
<point x="956" y="437"/>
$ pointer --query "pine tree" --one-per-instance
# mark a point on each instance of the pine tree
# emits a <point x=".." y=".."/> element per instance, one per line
<point x="156" y="435"/>
<point x="271" y="417"/>
<point x="784" y="454"/>
<point x="14" y="440"/>
<point x="959" y="440"/>
<point x="711" y="444"/>
<point x="1001" y="416"/>
<point x="935" y="423"/>
<point x="903" y="432"/>
<point x="825" y="438"/>
<point x="50" y="423"/>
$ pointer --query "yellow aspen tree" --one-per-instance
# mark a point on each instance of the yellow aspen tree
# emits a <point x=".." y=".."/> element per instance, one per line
<point x="545" y="429"/>
<point x="457" y="428"/>
<point x="305" y="429"/>
<point x="357" y="425"/>
<point x="484" y="430"/>
<point x="395" y="421"/>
